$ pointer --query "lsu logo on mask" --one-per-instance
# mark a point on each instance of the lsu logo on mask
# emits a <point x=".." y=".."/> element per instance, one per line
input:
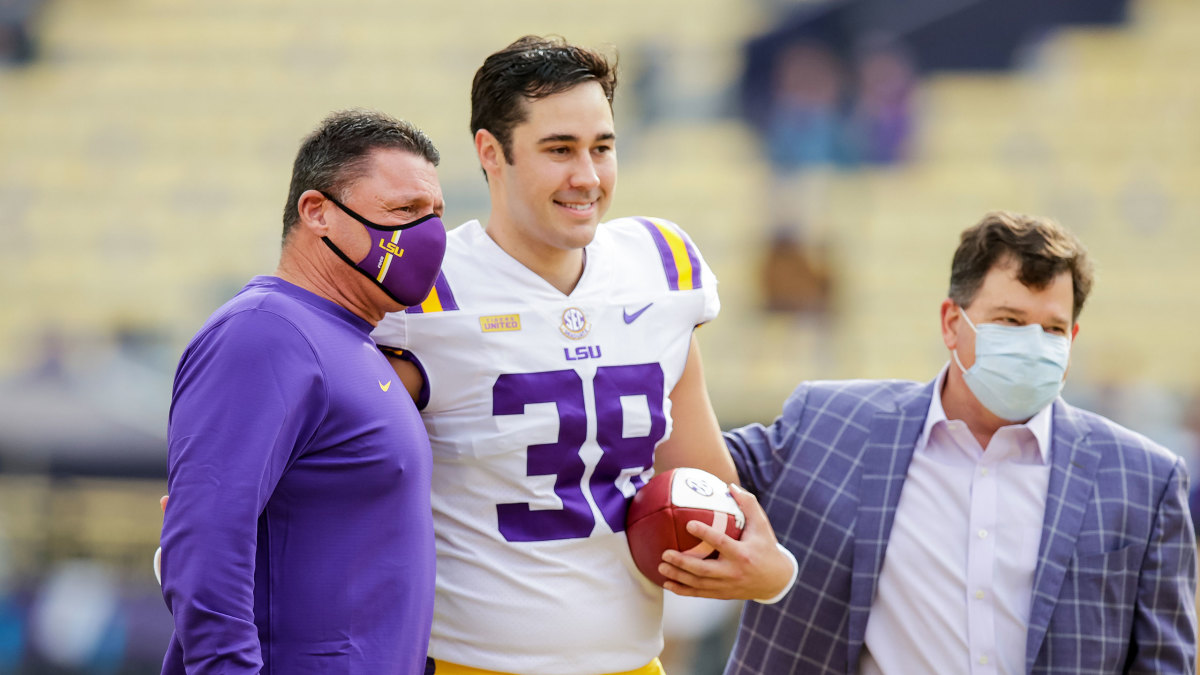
<point x="391" y="248"/>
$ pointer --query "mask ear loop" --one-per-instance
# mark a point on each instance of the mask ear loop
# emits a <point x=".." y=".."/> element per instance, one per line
<point x="963" y="313"/>
<point x="386" y="228"/>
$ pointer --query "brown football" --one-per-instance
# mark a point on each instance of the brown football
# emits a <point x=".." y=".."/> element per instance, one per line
<point x="660" y="511"/>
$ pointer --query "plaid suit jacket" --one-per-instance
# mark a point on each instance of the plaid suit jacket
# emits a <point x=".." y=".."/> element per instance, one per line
<point x="1115" y="582"/>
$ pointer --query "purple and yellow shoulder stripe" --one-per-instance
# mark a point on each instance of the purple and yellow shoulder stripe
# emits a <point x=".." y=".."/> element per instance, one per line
<point x="679" y="258"/>
<point x="440" y="299"/>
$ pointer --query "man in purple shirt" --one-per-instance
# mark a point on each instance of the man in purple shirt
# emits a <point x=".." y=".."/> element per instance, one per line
<point x="298" y="537"/>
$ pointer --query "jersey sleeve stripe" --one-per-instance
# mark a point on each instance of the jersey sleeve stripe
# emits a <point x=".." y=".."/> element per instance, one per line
<point x="679" y="259"/>
<point x="440" y="299"/>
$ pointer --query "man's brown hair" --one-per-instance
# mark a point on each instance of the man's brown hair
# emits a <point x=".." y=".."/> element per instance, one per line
<point x="1041" y="248"/>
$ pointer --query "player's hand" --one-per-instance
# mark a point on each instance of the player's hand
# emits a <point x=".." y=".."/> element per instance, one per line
<point x="163" y="503"/>
<point x="746" y="569"/>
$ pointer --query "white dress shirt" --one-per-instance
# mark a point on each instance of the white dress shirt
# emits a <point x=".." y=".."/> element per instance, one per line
<point x="957" y="579"/>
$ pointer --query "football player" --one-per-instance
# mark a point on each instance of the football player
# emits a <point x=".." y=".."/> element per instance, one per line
<point x="556" y="368"/>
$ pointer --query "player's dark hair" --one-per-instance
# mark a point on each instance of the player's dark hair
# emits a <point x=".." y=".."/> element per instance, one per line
<point x="1042" y="249"/>
<point x="531" y="68"/>
<point x="335" y="154"/>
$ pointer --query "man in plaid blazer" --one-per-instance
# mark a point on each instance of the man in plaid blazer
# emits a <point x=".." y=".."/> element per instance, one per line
<point x="977" y="523"/>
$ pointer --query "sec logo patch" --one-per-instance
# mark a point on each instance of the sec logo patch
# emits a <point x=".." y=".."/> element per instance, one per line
<point x="574" y="323"/>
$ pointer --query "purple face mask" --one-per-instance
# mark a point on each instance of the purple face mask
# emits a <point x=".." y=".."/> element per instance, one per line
<point x="404" y="267"/>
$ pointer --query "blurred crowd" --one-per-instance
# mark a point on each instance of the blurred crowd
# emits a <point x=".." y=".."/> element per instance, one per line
<point x="17" y="45"/>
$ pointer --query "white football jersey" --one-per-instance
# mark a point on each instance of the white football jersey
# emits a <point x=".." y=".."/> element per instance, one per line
<point x="543" y="411"/>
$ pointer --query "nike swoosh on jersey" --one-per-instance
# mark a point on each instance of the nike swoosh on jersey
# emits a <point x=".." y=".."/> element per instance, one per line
<point x="383" y="386"/>
<point x="630" y="318"/>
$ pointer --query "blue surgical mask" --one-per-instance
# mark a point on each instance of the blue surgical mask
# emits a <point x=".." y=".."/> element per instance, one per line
<point x="1018" y="370"/>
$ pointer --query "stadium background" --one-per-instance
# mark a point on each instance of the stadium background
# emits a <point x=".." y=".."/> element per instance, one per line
<point x="145" y="147"/>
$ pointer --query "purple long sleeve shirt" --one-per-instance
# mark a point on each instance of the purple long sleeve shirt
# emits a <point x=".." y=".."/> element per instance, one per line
<point x="298" y="538"/>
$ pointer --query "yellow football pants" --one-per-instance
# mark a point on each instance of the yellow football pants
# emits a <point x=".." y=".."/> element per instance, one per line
<point x="445" y="668"/>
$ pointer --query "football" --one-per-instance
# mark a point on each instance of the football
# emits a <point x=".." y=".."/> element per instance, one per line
<point x="659" y="513"/>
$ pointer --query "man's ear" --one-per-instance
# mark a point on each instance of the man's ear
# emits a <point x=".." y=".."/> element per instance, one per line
<point x="1074" y="332"/>
<point x="311" y="206"/>
<point x="951" y="315"/>
<point x="489" y="150"/>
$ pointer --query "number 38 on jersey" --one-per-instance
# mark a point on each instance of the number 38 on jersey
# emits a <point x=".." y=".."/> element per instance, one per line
<point x="615" y="389"/>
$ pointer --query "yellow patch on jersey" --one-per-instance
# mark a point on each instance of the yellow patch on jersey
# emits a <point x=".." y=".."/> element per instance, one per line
<point x="500" y="323"/>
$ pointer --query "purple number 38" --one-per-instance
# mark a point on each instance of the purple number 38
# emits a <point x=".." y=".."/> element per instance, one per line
<point x="622" y="456"/>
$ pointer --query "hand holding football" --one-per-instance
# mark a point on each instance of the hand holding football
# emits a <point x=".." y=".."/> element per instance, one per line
<point x="659" y="513"/>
